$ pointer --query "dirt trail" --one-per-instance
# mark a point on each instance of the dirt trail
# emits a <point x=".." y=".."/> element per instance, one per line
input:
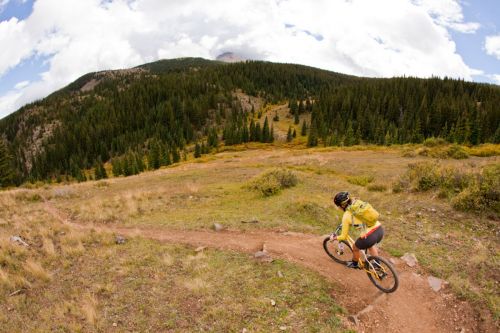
<point x="414" y="307"/>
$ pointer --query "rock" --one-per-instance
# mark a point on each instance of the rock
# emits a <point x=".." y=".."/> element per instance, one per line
<point x="244" y="330"/>
<point x="418" y="214"/>
<point x="120" y="239"/>
<point x="410" y="259"/>
<point x="280" y="274"/>
<point x="18" y="240"/>
<point x="251" y="221"/>
<point x="282" y="328"/>
<point x="273" y="302"/>
<point x="218" y="227"/>
<point x="200" y="248"/>
<point x="263" y="256"/>
<point x="394" y="261"/>
<point x="115" y="324"/>
<point x="433" y="210"/>
<point x="435" y="283"/>
<point x="354" y="319"/>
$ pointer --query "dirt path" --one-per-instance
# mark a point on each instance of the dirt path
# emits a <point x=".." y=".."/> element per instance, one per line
<point x="414" y="307"/>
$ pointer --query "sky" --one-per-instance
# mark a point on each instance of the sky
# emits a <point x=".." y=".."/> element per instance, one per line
<point x="47" y="44"/>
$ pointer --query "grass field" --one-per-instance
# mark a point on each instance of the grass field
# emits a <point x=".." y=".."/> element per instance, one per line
<point x="78" y="281"/>
<point x="460" y="247"/>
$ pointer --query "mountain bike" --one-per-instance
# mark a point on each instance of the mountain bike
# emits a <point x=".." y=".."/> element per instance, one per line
<point x="379" y="270"/>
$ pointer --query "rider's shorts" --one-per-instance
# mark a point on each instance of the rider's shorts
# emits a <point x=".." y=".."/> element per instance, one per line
<point x="372" y="239"/>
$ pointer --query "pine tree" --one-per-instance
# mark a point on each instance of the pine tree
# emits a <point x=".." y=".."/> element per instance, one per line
<point x="312" y="139"/>
<point x="294" y="133"/>
<point x="303" y="131"/>
<point x="296" y="119"/>
<point x="99" y="170"/>
<point x="271" y="135"/>
<point x="176" y="157"/>
<point x="116" y="166"/>
<point x="265" y="131"/>
<point x="289" y="135"/>
<point x="349" y="139"/>
<point x="154" y="155"/>
<point x="6" y="169"/>
<point x="197" y="150"/>
<point x="258" y="132"/>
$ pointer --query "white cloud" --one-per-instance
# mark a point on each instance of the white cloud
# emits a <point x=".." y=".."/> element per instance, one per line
<point x="22" y="84"/>
<point x="492" y="46"/>
<point x="448" y="13"/>
<point x="362" y="37"/>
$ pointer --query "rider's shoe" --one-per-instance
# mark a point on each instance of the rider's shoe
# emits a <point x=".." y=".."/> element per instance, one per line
<point x="352" y="264"/>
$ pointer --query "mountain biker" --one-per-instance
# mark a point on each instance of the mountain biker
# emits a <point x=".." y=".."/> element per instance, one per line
<point x="371" y="235"/>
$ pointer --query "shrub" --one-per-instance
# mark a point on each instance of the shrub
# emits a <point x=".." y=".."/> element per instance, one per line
<point x="362" y="180"/>
<point x="273" y="181"/>
<point x="485" y="150"/>
<point x="457" y="152"/>
<point x="474" y="191"/>
<point x="483" y="195"/>
<point x="377" y="187"/>
<point x="433" y="142"/>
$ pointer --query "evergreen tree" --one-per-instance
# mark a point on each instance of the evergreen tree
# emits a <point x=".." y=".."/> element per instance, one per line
<point x="154" y="155"/>
<point x="296" y="119"/>
<point x="197" y="150"/>
<point x="303" y="131"/>
<point x="294" y="133"/>
<point x="265" y="132"/>
<point x="176" y="157"/>
<point x="349" y="139"/>
<point x="312" y="139"/>
<point x="99" y="170"/>
<point x="116" y="166"/>
<point x="271" y="134"/>
<point x="289" y="134"/>
<point x="6" y="169"/>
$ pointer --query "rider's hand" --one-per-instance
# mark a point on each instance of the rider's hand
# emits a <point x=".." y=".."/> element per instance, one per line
<point x="333" y="237"/>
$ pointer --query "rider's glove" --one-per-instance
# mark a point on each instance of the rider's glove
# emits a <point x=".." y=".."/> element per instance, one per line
<point x="333" y="237"/>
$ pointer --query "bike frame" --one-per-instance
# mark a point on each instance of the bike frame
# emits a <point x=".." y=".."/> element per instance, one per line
<point x="363" y="258"/>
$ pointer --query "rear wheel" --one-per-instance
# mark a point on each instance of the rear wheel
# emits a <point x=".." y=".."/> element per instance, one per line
<point x="382" y="275"/>
<point x="341" y="251"/>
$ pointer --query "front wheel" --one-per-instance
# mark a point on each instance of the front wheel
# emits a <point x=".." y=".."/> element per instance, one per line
<point x="382" y="274"/>
<point x="341" y="251"/>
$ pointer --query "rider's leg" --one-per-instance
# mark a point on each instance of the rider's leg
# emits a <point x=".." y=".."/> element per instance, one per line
<point x="355" y="253"/>
<point x="373" y="250"/>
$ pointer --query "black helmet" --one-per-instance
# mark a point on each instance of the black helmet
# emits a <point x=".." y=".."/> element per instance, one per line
<point x="341" y="198"/>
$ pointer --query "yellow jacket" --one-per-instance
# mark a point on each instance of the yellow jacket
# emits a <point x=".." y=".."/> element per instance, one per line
<point x="347" y="220"/>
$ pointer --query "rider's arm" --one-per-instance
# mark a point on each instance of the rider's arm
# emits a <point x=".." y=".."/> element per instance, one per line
<point x="346" y="223"/>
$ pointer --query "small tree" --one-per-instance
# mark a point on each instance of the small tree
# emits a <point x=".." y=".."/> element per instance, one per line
<point x="303" y="131"/>
<point x="197" y="150"/>
<point x="289" y="135"/>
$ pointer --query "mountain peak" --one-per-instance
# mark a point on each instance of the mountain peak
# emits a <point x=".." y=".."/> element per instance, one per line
<point x="229" y="57"/>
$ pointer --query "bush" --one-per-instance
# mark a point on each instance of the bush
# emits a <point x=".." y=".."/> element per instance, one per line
<point x="483" y="195"/>
<point x="360" y="180"/>
<point x="474" y="191"/>
<point x="377" y="187"/>
<point x="273" y="181"/>
<point x="457" y="152"/>
<point x="433" y="142"/>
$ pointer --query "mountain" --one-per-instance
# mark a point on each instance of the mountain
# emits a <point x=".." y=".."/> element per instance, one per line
<point x="229" y="57"/>
<point x="150" y="113"/>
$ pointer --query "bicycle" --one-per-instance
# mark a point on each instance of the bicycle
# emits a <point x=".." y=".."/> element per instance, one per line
<point x="379" y="270"/>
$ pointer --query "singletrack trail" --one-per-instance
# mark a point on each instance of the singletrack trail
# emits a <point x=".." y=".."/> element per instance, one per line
<point x="414" y="307"/>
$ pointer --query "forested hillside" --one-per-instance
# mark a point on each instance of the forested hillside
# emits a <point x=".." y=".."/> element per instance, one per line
<point x="145" y="117"/>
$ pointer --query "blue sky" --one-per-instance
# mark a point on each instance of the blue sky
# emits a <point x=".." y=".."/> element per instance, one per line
<point x="49" y="43"/>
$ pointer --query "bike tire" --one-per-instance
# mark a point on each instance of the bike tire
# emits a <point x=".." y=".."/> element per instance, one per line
<point x="387" y="267"/>
<point x="330" y="247"/>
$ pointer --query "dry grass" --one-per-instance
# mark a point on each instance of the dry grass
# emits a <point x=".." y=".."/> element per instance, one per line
<point x="89" y="308"/>
<point x="36" y="271"/>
